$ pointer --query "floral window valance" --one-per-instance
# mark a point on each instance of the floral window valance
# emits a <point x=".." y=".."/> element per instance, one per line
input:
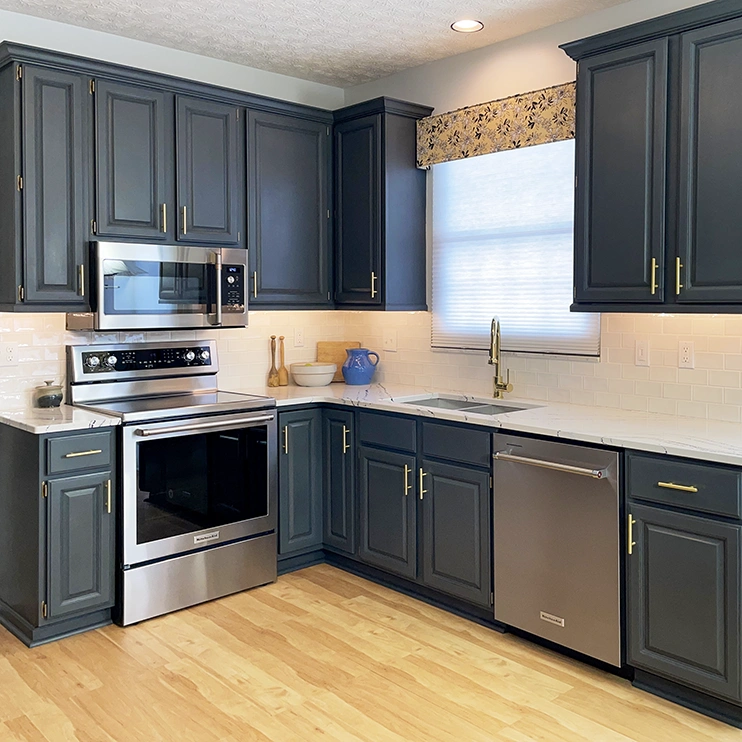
<point x="525" y="120"/>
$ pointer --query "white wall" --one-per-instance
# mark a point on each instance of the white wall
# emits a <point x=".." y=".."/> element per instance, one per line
<point x="84" y="42"/>
<point x="528" y="62"/>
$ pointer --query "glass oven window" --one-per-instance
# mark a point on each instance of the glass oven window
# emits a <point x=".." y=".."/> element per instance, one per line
<point x="194" y="482"/>
<point x="154" y="287"/>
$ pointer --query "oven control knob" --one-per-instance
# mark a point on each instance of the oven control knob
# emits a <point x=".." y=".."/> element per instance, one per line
<point x="92" y="361"/>
<point x="231" y="279"/>
<point x="204" y="355"/>
<point x="189" y="356"/>
<point x="111" y="361"/>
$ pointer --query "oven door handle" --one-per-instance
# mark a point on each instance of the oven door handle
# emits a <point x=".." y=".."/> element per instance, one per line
<point x="215" y="425"/>
<point x="217" y="287"/>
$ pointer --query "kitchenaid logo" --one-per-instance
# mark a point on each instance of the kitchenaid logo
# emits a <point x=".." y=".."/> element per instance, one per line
<point x="206" y="537"/>
<point x="549" y="618"/>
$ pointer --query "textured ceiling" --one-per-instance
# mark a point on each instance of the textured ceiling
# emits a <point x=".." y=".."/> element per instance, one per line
<point x="339" y="42"/>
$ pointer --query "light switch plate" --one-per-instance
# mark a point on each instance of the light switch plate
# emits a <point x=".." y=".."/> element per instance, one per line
<point x="642" y="352"/>
<point x="298" y="337"/>
<point x="390" y="340"/>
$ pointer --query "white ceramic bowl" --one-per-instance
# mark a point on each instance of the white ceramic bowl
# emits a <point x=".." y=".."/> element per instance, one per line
<point x="313" y="374"/>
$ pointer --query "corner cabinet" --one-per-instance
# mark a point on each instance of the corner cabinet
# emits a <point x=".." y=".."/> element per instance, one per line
<point x="659" y="159"/>
<point x="379" y="207"/>
<point x="289" y="201"/>
<point x="338" y="428"/>
<point x="45" y="150"/>
<point x="58" y="510"/>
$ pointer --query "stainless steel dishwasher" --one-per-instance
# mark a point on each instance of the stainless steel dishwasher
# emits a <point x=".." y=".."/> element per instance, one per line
<point x="556" y="538"/>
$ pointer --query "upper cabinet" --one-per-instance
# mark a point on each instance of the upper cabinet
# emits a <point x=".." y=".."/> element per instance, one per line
<point x="379" y="207"/>
<point x="134" y="164"/>
<point x="289" y="200"/>
<point x="659" y="161"/>
<point x="44" y="157"/>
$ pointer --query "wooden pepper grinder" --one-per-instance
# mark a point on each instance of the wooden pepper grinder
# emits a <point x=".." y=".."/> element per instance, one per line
<point x="283" y="372"/>
<point x="273" y="373"/>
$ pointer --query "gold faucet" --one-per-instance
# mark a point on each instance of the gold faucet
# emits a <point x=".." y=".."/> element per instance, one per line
<point x="499" y="386"/>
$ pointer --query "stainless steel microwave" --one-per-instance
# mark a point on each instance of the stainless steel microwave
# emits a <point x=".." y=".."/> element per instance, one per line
<point x="164" y="287"/>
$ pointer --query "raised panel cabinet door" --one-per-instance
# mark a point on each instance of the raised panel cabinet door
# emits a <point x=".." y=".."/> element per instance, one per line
<point x="288" y="207"/>
<point x="388" y="492"/>
<point x="456" y="554"/>
<point x="57" y="124"/>
<point x="622" y="99"/>
<point x="684" y="599"/>
<point x="135" y="172"/>
<point x="710" y="169"/>
<point x="211" y="184"/>
<point x="358" y="230"/>
<point x="81" y="542"/>
<point x="339" y="502"/>
<point x="300" y="481"/>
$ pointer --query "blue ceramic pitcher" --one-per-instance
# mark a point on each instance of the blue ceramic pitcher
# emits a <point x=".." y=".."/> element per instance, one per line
<point x="358" y="368"/>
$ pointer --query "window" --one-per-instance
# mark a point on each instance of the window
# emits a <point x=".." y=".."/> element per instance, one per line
<point x="502" y="245"/>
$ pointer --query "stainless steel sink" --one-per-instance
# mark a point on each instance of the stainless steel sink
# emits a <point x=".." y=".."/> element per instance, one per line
<point x="479" y="408"/>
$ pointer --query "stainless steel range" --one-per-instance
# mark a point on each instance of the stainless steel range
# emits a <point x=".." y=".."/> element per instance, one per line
<point x="197" y="473"/>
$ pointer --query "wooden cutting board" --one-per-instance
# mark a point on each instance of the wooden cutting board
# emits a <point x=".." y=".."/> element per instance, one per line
<point x="333" y="351"/>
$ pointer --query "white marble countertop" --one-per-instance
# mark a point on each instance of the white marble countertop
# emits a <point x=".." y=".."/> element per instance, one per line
<point x="55" y="419"/>
<point x="707" y="440"/>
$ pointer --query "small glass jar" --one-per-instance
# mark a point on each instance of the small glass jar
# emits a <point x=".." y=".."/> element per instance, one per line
<point x="49" y="395"/>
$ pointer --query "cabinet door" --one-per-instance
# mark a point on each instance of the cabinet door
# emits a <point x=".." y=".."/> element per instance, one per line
<point x="456" y="550"/>
<point x="684" y="599"/>
<point x="339" y="451"/>
<point x="620" y="197"/>
<point x="288" y="206"/>
<point x="80" y="557"/>
<point x="211" y="188"/>
<point x="300" y="482"/>
<point x="56" y="140"/>
<point x="710" y="170"/>
<point x="388" y="500"/>
<point x="135" y="171"/>
<point x="358" y="172"/>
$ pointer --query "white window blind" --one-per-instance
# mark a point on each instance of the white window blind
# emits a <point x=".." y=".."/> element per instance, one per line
<point x="502" y="245"/>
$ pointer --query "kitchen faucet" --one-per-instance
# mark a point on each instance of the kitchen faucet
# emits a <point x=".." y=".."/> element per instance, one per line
<point x="499" y="385"/>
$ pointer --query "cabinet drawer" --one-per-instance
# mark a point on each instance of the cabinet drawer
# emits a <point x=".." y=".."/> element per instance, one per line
<point x="76" y="452"/>
<point x="468" y="445"/>
<point x="707" y="488"/>
<point x="390" y="431"/>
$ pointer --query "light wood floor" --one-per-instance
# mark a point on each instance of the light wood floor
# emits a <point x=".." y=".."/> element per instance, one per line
<point x="321" y="655"/>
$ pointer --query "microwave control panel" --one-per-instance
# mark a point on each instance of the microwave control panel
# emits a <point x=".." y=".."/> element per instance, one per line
<point x="145" y="359"/>
<point x="233" y="288"/>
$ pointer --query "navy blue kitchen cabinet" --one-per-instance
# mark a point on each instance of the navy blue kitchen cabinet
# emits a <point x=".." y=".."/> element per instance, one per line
<point x="339" y="449"/>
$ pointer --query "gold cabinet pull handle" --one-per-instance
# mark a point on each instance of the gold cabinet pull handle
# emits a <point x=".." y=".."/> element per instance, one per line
<point x="632" y="543"/>
<point x="680" y="487"/>
<point x="678" y="268"/>
<point x="81" y="279"/>
<point x="373" y="285"/>
<point x="407" y="485"/>
<point x="346" y="445"/>
<point x="75" y="454"/>
<point x="285" y="438"/>
<point x="423" y="491"/>
<point x="108" y="496"/>
<point x="655" y="286"/>
<point x="185" y="220"/>
<point x="255" y="284"/>
<point x="163" y="209"/>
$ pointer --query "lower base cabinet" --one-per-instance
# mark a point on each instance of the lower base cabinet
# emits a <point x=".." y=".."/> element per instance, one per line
<point x="339" y="502"/>
<point x="684" y="599"/>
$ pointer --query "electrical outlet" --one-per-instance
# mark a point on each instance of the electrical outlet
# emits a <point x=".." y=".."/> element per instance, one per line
<point x="642" y="352"/>
<point x="686" y="354"/>
<point x="8" y="354"/>
<point x="390" y="340"/>
<point x="298" y="337"/>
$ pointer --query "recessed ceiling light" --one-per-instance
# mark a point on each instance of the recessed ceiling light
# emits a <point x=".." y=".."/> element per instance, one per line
<point x="467" y="26"/>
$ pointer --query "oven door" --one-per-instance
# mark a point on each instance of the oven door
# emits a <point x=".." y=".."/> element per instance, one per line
<point x="168" y="286"/>
<point x="188" y="484"/>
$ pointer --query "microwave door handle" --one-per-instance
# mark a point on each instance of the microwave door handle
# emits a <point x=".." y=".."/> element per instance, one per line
<point x="218" y="287"/>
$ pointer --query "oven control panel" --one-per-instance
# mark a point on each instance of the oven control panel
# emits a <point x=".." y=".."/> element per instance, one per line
<point x="233" y="288"/>
<point x="145" y="359"/>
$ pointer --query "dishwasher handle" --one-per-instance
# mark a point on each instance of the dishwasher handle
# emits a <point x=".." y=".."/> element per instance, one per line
<point x="566" y="468"/>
